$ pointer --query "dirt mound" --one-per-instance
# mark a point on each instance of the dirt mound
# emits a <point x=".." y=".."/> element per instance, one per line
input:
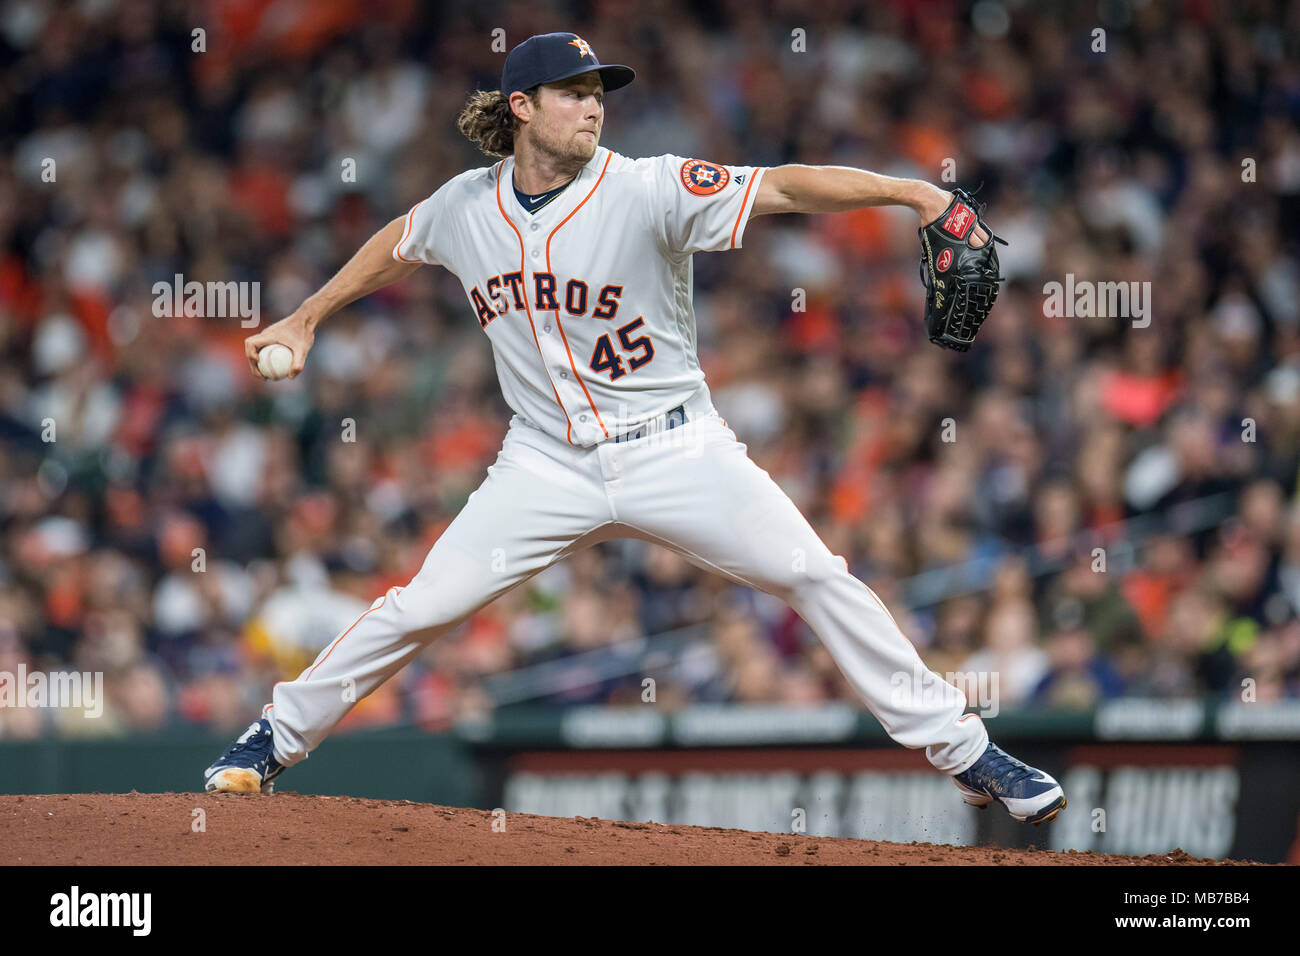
<point x="291" y="828"/>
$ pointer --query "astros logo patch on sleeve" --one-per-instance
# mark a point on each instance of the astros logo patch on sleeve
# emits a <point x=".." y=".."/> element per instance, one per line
<point x="703" y="179"/>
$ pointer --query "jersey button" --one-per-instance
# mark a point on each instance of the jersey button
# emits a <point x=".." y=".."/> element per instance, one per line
<point x="534" y="253"/>
<point x="564" y="375"/>
<point x="546" y="328"/>
<point x="533" y="227"/>
<point x="582" y="418"/>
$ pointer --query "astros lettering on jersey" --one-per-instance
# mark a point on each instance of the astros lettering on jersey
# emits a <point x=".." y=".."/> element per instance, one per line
<point x="587" y="303"/>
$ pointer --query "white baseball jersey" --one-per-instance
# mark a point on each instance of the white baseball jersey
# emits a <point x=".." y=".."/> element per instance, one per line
<point x="587" y="302"/>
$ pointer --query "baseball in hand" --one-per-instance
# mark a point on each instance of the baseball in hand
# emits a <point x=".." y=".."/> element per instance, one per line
<point x="274" y="362"/>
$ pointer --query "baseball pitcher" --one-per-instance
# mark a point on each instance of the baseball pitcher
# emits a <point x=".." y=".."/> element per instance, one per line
<point x="576" y="262"/>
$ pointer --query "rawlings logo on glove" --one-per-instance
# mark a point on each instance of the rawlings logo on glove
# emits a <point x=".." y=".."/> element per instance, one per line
<point x="957" y="303"/>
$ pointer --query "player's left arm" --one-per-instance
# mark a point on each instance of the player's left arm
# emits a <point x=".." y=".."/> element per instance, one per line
<point x="812" y="189"/>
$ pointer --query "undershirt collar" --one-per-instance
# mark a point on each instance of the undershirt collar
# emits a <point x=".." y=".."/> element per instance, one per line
<point x="535" y="201"/>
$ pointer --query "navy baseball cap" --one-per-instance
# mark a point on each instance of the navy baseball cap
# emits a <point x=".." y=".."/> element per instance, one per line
<point x="551" y="57"/>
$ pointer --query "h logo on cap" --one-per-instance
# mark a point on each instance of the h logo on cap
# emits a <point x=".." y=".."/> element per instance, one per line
<point x="546" y="59"/>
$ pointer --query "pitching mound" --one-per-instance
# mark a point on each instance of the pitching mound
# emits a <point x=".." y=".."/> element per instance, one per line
<point x="291" y="828"/>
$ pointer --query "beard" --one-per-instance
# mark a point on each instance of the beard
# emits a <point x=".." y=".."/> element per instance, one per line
<point x="574" y="152"/>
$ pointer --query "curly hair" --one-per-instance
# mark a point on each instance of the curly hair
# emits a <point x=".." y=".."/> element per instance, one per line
<point x="488" y="122"/>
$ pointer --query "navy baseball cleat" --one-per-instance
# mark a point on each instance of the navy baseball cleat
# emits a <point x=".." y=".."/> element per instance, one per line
<point x="249" y="766"/>
<point x="1029" y="795"/>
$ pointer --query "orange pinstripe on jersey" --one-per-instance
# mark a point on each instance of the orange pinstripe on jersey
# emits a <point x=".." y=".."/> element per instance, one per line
<point x="743" y="203"/>
<point x="406" y="233"/>
<point x="565" y="338"/>
<point x="568" y="435"/>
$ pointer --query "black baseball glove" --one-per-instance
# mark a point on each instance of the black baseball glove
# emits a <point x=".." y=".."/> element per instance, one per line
<point x="961" y="280"/>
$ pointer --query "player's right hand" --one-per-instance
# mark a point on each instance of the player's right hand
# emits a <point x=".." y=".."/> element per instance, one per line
<point x="294" y="332"/>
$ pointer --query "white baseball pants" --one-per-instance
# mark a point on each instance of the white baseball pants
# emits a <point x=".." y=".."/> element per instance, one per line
<point x="692" y="489"/>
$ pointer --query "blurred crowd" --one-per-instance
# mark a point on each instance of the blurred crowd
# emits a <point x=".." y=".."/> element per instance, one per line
<point x="1129" y="488"/>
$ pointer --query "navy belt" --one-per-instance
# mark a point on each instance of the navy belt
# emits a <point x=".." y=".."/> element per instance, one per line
<point x="671" y="419"/>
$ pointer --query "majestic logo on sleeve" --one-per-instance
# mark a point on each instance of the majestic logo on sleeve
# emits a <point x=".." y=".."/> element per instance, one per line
<point x="703" y="179"/>
<point x="583" y="47"/>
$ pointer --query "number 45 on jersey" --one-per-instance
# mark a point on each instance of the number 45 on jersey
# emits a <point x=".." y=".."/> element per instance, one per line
<point x="604" y="357"/>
